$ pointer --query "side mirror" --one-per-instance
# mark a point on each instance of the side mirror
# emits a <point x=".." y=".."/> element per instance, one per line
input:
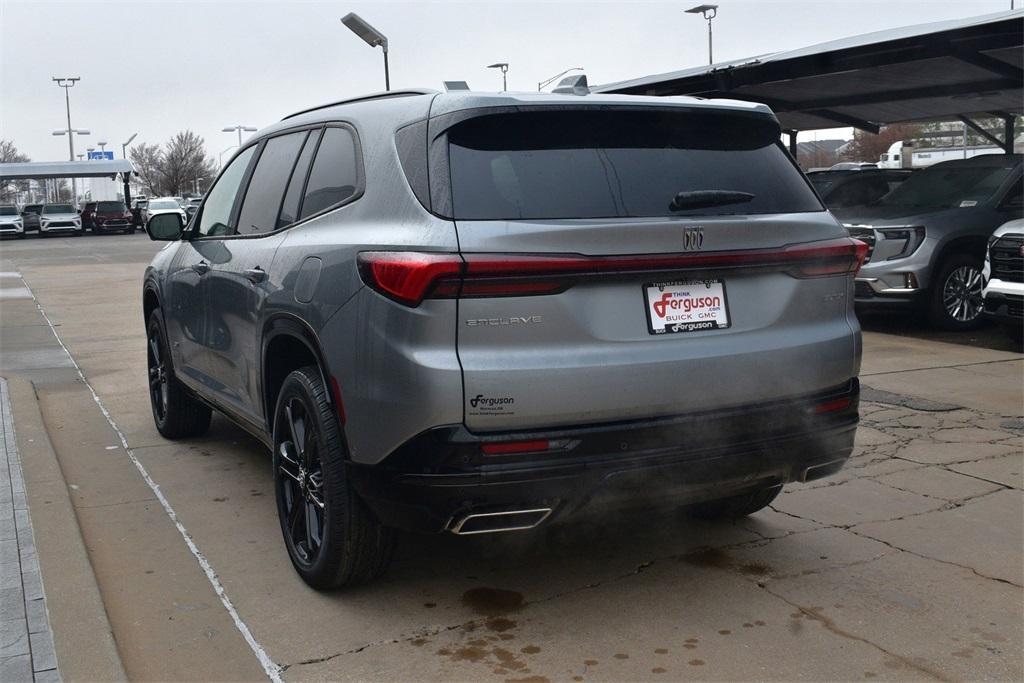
<point x="165" y="227"/>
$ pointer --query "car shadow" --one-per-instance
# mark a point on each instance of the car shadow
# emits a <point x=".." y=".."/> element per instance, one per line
<point x="988" y="336"/>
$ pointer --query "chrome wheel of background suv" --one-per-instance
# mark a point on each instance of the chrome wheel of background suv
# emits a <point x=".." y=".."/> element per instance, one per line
<point x="961" y="293"/>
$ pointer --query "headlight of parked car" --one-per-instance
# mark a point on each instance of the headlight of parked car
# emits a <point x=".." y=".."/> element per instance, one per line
<point x="899" y="242"/>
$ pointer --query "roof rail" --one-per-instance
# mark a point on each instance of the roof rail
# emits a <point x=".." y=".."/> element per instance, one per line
<point x="408" y="92"/>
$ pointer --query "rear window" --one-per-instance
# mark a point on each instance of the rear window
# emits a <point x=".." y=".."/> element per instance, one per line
<point x="615" y="164"/>
<point x="110" y="207"/>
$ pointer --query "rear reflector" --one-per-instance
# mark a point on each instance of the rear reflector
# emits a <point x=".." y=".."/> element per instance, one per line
<point x="410" y="277"/>
<point x="832" y="406"/>
<point x="507" y="447"/>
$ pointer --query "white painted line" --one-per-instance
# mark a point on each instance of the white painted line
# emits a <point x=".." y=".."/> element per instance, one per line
<point x="15" y="293"/>
<point x="9" y="273"/>
<point x="272" y="670"/>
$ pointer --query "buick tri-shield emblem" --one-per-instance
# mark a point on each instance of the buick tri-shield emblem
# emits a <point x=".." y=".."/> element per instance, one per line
<point x="693" y="239"/>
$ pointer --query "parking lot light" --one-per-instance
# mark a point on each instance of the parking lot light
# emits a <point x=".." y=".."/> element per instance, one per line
<point x="371" y="36"/>
<point x="504" y="70"/>
<point x="124" y="145"/>
<point x="708" y="12"/>
<point x="548" y="81"/>
<point x="240" y="128"/>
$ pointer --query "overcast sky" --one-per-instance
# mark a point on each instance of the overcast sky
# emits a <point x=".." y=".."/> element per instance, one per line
<point x="159" y="67"/>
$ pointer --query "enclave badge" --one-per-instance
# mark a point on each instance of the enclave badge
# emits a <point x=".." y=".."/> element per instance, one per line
<point x="693" y="238"/>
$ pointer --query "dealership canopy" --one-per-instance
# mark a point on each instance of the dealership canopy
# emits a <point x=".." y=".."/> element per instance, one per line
<point x="97" y="168"/>
<point x="937" y="71"/>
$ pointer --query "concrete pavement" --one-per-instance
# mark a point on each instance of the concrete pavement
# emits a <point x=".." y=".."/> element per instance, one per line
<point x="905" y="565"/>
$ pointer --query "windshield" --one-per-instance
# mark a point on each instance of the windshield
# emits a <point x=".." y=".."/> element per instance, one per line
<point x="615" y="164"/>
<point x="110" y="207"/>
<point x="165" y="204"/>
<point x="33" y="208"/>
<point x="8" y="211"/>
<point x="943" y="187"/>
<point x="58" y="208"/>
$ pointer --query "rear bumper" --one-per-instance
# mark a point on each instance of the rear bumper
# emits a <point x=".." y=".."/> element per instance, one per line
<point x="442" y="475"/>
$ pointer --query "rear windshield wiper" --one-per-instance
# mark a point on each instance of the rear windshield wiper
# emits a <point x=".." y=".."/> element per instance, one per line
<point x="701" y="199"/>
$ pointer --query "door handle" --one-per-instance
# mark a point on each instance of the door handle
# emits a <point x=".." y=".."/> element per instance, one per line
<point x="202" y="267"/>
<point x="256" y="275"/>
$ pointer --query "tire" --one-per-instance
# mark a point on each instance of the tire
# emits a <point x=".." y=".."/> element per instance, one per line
<point x="735" y="506"/>
<point x="176" y="412"/>
<point x="955" y="302"/>
<point x="332" y="538"/>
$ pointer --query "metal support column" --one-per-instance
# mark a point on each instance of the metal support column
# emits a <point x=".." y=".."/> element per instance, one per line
<point x="792" y="142"/>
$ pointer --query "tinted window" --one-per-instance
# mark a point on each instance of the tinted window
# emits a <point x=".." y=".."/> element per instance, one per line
<point x="263" y="198"/>
<point x="8" y="211"/>
<point x="216" y="218"/>
<point x="334" y="175"/>
<point x="290" y="206"/>
<point x="110" y="207"/>
<point x="58" y="208"/>
<point x="948" y="186"/>
<point x="604" y="164"/>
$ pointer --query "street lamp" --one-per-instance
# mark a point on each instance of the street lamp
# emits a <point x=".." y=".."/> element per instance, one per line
<point x="373" y="38"/>
<point x="220" y="157"/>
<point x="124" y="146"/>
<point x="103" y="147"/>
<point x="549" y="81"/>
<point x="504" y="70"/>
<point x="68" y="83"/>
<point x="709" y="12"/>
<point x="239" y="128"/>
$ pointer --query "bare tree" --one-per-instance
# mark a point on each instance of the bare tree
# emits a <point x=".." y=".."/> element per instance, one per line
<point x="175" y="168"/>
<point x="185" y="162"/>
<point x="148" y="162"/>
<point x="9" y="154"/>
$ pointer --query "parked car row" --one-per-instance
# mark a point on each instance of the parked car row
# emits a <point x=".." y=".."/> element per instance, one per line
<point x="927" y="233"/>
<point x="99" y="217"/>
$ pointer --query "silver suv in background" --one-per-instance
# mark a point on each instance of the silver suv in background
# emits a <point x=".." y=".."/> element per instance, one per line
<point x="473" y="313"/>
<point x="927" y="238"/>
<point x="59" y="219"/>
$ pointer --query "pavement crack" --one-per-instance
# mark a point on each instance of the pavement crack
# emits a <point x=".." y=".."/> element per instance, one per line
<point x="830" y="625"/>
<point x="423" y="633"/>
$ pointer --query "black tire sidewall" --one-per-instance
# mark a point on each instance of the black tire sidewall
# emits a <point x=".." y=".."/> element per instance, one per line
<point x="305" y="384"/>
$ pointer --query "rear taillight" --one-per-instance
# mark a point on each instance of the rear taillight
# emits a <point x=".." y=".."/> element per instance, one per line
<point x="410" y="277"/>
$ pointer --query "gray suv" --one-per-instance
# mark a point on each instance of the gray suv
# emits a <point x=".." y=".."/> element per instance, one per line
<point x="473" y="313"/>
<point x="927" y="238"/>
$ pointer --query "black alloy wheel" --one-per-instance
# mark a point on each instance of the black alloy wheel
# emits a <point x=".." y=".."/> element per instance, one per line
<point x="300" y="482"/>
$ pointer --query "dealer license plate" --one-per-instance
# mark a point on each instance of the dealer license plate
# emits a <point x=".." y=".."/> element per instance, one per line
<point x="686" y="306"/>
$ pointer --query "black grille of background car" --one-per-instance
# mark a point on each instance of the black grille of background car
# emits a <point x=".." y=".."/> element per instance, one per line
<point x="1006" y="258"/>
<point x="61" y="224"/>
<point x="865" y="235"/>
<point x="862" y="290"/>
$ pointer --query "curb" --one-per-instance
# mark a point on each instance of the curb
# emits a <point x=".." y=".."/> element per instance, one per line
<point x="83" y="639"/>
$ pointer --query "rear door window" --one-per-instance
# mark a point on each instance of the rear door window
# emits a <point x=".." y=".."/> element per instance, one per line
<point x="293" y="195"/>
<point x="334" y="177"/>
<point x="266" y="189"/>
<point x="618" y="164"/>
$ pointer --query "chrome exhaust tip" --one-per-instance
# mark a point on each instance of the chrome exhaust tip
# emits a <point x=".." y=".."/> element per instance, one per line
<point x="820" y="470"/>
<point x="494" y="522"/>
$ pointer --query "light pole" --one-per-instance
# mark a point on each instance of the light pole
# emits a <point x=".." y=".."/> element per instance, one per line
<point x="124" y="145"/>
<point x="373" y="38"/>
<point x="220" y="157"/>
<point x="195" y="184"/>
<point x="549" y="81"/>
<point x="239" y="128"/>
<point x="709" y="12"/>
<point x="504" y="70"/>
<point x="67" y="84"/>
